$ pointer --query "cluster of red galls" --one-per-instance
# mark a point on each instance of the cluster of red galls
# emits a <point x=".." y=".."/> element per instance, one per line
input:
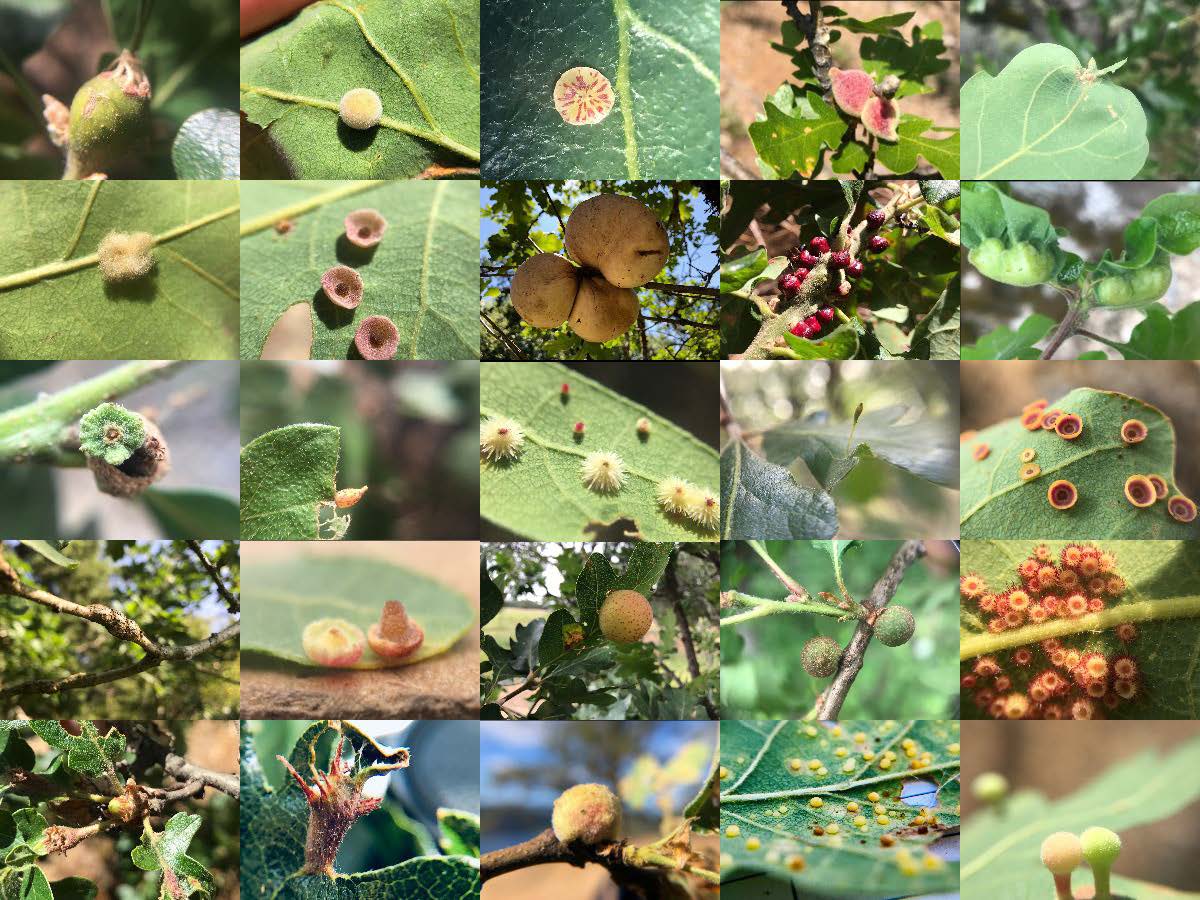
<point x="803" y="259"/>
<point x="1069" y="683"/>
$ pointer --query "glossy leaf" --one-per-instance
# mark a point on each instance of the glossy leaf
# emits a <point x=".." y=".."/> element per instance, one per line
<point x="663" y="66"/>
<point x="919" y="137"/>
<point x="186" y="512"/>
<point x="274" y="827"/>
<point x="1164" y="336"/>
<point x="1161" y="600"/>
<point x="996" y="503"/>
<point x="760" y="500"/>
<point x="1178" y="218"/>
<point x="923" y="447"/>
<point x="422" y="275"/>
<point x="167" y="852"/>
<point x="280" y="600"/>
<point x="208" y="146"/>
<point x="541" y="494"/>
<point x="186" y="308"/>
<point x="491" y="601"/>
<point x="1001" y="849"/>
<point x="420" y="57"/>
<point x="1004" y="343"/>
<point x="46" y="549"/>
<point x="288" y="485"/>
<point x="768" y="799"/>
<point x="1044" y="117"/>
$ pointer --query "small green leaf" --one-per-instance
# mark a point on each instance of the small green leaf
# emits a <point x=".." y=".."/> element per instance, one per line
<point x="795" y="133"/>
<point x="88" y="752"/>
<point x="288" y="480"/>
<point x="996" y="503"/>
<point x="917" y="140"/>
<point x="182" y="512"/>
<point x="1003" y="343"/>
<point x="460" y="832"/>
<point x="1164" y="336"/>
<point x="1178" y="218"/>
<point x="491" y="600"/>
<point x="24" y="882"/>
<point x="643" y="568"/>
<point x="208" y="146"/>
<point x="762" y="501"/>
<point x="591" y="587"/>
<point x="182" y="875"/>
<point x="51" y="553"/>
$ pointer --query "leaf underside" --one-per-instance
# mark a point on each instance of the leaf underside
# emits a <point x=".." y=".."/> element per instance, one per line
<point x="760" y="500"/>
<point x="541" y="494"/>
<point x="995" y="503"/>
<point x="422" y="275"/>
<point x="662" y="126"/>
<point x="285" y="598"/>
<point x="186" y="308"/>
<point x="757" y="757"/>
<point x="325" y="52"/>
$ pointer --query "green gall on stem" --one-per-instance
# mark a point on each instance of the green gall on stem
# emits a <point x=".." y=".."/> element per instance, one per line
<point x="894" y="626"/>
<point x="360" y="108"/>
<point x="625" y="617"/>
<point x="109" y="117"/>
<point x="1062" y="854"/>
<point x="1101" y="848"/>
<point x="990" y="787"/>
<point x="111" y="432"/>
<point x="587" y="813"/>
<point x="333" y="642"/>
<point x="124" y="256"/>
<point x="820" y="657"/>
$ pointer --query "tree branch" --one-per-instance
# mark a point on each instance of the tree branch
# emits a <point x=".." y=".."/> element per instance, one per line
<point x="230" y="600"/>
<point x="501" y="335"/>
<point x="829" y="704"/>
<point x="1065" y="329"/>
<point x="671" y="587"/>
<point x="190" y="772"/>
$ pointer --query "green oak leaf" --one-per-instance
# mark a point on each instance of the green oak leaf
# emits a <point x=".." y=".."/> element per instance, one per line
<point x="281" y="599"/>
<point x="595" y="580"/>
<point x="1045" y="117"/>
<point x="1004" y="343"/>
<point x="186" y="308"/>
<point x="89" y="752"/>
<point x="24" y="882"/>
<point x="1162" y="599"/>
<point x="541" y="494"/>
<point x="996" y="503"/>
<point x="181" y="512"/>
<point x="1162" y="335"/>
<point x="841" y="343"/>
<point x="1000" y="858"/>
<point x="760" y="500"/>
<point x="643" y="568"/>
<point x="421" y="275"/>
<point x="767" y="800"/>
<point x="664" y="69"/>
<point x="941" y="153"/>
<point x="274" y="827"/>
<point x="1178" y="218"/>
<point x="288" y="478"/>
<point x="421" y="58"/>
<point x="167" y="852"/>
<point x="796" y="130"/>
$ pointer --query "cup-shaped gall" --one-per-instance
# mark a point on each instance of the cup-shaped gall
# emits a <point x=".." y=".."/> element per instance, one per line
<point x="1062" y="494"/>
<point x="395" y="635"/>
<point x="343" y="286"/>
<point x="360" y="108"/>
<point x="1160" y="485"/>
<point x="1062" y="854"/>
<point x="333" y="642"/>
<point x="1133" y="431"/>
<point x="365" y="227"/>
<point x="1031" y="419"/>
<point x="377" y="338"/>
<point x="980" y="452"/>
<point x="1181" y="509"/>
<point x="1139" y="491"/>
<point x="1050" y="418"/>
<point x="1068" y="426"/>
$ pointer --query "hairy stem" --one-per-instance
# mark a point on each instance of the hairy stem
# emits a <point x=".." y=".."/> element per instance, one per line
<point x="762" y="607"/>
<point x="36" y="430"/>
<point x="786" y="580"/>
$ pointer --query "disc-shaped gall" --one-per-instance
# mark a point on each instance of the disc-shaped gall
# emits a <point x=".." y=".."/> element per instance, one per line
<point x="343" y="286"/>
<point x="1062" y="494"/>
<point x="377" y="338"/>
<point x="1140" y="491"/>
<point x="1068" y="426"/>
<point x="1181" y="509"/>
<point x="980" y="452"/>
<point x="365" y="227"/>
<point x="1028" y="455"/>
<point x="1133" y="431"/>
<point x="583" y="96"/>
<point x="1030" y="471"/>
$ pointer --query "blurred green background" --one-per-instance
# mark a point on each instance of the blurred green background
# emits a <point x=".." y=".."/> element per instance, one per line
<point x="408" y="433"/>
<point x="761" y="676"/>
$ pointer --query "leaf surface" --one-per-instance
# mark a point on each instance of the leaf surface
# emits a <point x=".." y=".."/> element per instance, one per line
<point x="541" y="494"/>
<point x="208" y="145"/>
<point x="422" y="275"/>
<point x="1039" y="119"/>
<point x="167" y="852"/>
<point x="186" y="308"/>
<point x="282" y="599"/>
<point x="288" y="484"/>
<point x="1004" y="343"/>
<point x="183" y="512"/>
<point x="48" y="550"/>
<point x="768" y="799"/>
<point x="1001" y="852"/>
<point x="996" y="503"/>
<point x="460" y="832"/>
<point x="663" y="67"/>
<point x="421" y="57"/>
<point x="760" y="500"/>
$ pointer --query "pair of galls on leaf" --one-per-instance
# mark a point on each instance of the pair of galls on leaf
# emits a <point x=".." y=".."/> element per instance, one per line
<point x="855" y="94"/>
